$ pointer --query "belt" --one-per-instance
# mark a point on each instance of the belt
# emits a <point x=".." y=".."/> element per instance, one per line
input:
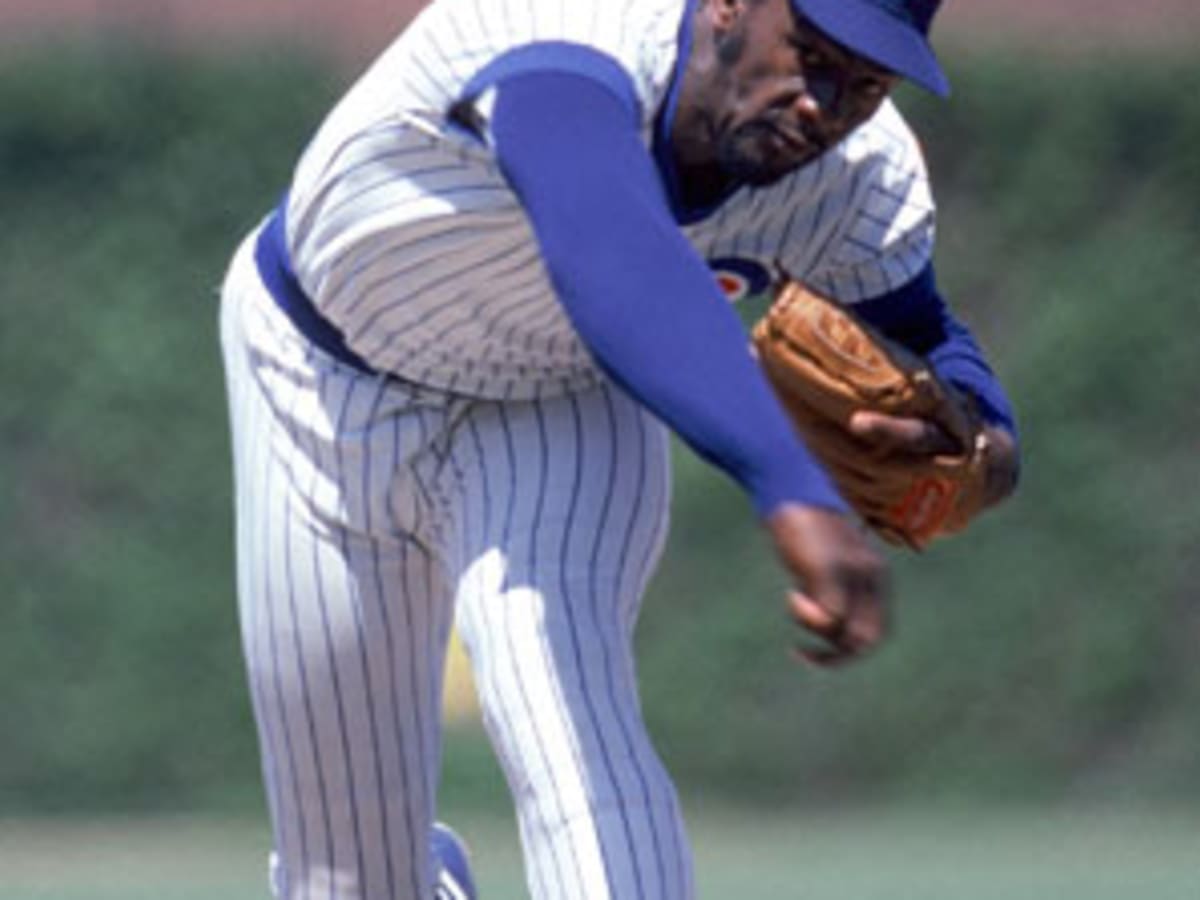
<point x="275" y="268"/>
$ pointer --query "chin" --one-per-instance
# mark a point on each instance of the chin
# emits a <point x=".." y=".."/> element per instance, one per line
<point x="749" y="159"/>
<point x="758" y="172"/>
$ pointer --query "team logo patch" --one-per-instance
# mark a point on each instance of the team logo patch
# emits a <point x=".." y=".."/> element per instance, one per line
<point x="739" y="278"/>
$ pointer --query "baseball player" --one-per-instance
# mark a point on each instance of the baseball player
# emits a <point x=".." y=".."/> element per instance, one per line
<point x="455" y="352"/>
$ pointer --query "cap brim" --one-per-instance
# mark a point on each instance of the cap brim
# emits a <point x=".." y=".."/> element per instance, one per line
<point x="873" y="33"/>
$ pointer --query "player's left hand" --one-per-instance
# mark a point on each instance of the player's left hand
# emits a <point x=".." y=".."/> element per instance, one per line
<point x="894" y="437"/>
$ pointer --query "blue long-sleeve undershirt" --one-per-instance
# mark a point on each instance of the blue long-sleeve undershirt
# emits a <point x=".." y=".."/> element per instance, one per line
<point x="647" y="306"/>
<point x="640" y="297"/>
<point x="916" y="316"/>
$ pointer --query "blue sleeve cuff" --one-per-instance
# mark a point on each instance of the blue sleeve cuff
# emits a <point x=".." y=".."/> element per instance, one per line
<point x="916" y="316"/>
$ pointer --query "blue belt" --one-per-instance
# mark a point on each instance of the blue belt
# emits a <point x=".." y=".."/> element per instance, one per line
<point x="275" y="269"/>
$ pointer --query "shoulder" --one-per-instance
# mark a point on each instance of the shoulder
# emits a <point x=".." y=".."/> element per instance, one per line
<point x="885" y="147"/>
<point x="881" y="156"/>
<point x="886" y="226"/>
<point x="640" y="36"/>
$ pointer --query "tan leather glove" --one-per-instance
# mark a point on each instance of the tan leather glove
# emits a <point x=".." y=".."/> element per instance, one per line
<point x="825" y="365"/>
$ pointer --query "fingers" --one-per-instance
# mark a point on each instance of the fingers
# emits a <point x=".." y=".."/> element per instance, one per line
<point x="841" y="580"/>
<point x="848" y="626"/>
<point x="814" y="617"/>
<point x="828" y="627"/>
<point x="901" y="435"/>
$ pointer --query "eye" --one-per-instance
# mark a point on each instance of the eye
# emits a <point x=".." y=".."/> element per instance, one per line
<point x="811" y="57"/>
<point x="873" y="89"/>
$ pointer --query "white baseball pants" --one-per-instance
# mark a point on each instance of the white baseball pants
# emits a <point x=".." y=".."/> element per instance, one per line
<point x="369" y="510"/>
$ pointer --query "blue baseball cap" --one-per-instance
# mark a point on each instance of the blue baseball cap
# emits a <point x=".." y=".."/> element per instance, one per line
<point x="893" y="33"/>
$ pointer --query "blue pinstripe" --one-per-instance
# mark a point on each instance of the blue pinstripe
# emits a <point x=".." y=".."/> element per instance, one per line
<point x="450" y="304"/>
<point x="486" y="524"/>
<point x="619" y="714"/>
<point x="507" y="541"/>
<point x="339" y="704"/>
<point x="298" y="650"/>
<point x="651" y="549"/>
<point x="580" y="670"/>
<point x="415" y="290"/>
<point x="387" y="179"/>
<point x="368" y="260"/>
<point x="355" y="601"/>
<point x="265" y="712"/>
<point x="385" y="803"/>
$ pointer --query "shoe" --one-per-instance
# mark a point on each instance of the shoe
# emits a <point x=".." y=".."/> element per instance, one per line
<point x="454" y="881"/>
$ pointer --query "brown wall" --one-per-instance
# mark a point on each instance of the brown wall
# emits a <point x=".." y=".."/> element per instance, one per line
<point x="355" y="29"/>
<point x="347" y="28"/>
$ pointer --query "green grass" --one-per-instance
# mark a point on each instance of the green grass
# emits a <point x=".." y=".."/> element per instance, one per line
<point x="860" y="856"/>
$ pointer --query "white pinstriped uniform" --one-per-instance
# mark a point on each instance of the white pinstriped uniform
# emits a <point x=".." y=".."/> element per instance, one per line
<point x="495" y="475"/>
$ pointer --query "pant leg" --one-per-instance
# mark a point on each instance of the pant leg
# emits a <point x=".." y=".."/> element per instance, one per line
<point x="343" y="606"/>
<point x="563" y="505"/>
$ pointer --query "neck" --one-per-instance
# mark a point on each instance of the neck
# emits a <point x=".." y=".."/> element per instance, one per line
<point x="702" y="182"/>
<point x="693" y="132"/>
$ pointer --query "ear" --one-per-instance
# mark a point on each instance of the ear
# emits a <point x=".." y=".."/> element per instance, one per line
<point x="723" y="13"/>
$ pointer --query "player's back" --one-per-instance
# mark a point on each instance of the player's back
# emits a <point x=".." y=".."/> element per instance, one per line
<point x="401" y="228"/>
<point x="424" y="72"/>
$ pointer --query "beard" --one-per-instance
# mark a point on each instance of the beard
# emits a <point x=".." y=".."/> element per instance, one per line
<point x="756" y="153"/>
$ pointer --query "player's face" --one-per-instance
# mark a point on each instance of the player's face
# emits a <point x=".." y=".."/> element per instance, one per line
<point x="791" y="93"/>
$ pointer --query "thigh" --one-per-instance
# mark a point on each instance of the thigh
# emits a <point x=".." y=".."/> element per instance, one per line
<point x="563" y="506"/>
<point x="343" y="608"/>
<point x="568" y="495"/>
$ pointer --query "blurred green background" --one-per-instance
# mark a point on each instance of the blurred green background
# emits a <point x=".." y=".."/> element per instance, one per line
<point x="1042" y="688"/>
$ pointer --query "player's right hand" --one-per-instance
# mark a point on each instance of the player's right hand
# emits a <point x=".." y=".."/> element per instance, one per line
<point x="842" y="582"/>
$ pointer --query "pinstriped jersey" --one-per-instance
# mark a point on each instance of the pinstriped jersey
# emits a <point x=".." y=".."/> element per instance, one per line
<point x="406" y="236"/>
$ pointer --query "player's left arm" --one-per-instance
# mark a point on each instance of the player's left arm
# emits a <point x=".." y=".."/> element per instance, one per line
<point x="916" y="316"/>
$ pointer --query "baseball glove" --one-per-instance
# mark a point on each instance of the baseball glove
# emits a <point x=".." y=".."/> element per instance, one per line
<point x="825" y="365"/>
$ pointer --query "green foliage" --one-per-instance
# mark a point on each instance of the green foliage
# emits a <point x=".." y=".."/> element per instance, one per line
<point x="1047" y="654"/>
<point x="128" y="178"/>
